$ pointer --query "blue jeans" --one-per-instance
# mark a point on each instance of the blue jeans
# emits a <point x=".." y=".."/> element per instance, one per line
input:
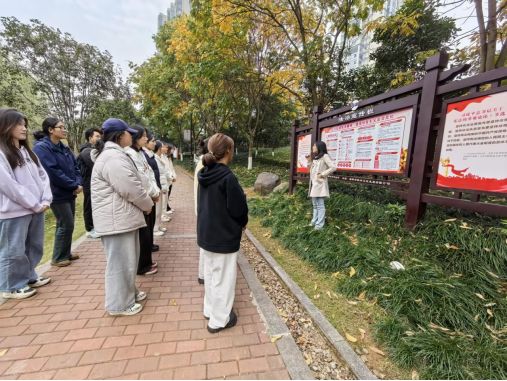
<point x="21" y="250"/>
<point x="319" y="212"/>
<point x="64" y="213"/>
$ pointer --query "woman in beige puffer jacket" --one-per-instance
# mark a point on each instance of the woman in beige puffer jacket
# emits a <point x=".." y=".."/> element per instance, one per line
<point x="118" y="202"/>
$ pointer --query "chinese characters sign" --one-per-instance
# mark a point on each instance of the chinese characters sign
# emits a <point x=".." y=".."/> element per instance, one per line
<point x="474" y="145"/>
<point x="304" y="149"/>
<point x="375" y="144"/>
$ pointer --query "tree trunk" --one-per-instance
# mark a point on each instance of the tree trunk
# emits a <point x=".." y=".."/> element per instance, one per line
<point x="483" y="44"/>
<point x="250" y="151"/>
<point x="492" y="34"/>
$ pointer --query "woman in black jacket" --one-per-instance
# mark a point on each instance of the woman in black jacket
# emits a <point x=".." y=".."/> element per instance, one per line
<point x="222" y="215"/>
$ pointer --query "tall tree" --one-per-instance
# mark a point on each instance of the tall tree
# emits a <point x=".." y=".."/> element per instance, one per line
<point x="73" y="76"/>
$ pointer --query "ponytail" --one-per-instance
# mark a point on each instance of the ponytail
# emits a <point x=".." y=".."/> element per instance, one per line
<point x="218" y="146"/>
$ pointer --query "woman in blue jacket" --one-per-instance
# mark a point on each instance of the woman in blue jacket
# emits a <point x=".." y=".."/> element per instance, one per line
<point x="66" y="183"/>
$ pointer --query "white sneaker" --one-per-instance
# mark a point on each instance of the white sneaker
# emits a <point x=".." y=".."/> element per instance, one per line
<point x="158" y="233"/>
<point x="39" y="282"/>
<point x="135" y="309"/>
<point x="22" y="293"/>
<point x="171" y="211"/>
<point x="162" y="229"/>
<point x="166" y="219"/>
<point x="140" y="296"/>
<point x="92" y="234"/>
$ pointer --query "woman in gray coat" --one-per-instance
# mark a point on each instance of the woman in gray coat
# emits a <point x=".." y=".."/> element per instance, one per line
<point x="322" y="167"/>
<point x="118" y="202"/>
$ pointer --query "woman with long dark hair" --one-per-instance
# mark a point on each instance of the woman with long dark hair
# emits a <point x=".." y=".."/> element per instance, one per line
<point x="66" y="183"/>
<point x="321" y="167"/>
<point x="222" y="215"/>
<point x="25" y="195"/>
<point x="135" y="151"/>
<point x="118" y="202"/>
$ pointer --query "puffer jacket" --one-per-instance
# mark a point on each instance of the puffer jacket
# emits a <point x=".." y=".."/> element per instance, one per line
<point x="164" y="174"/>
<point x="145" y="171"/>
<point x="118" y="195"/>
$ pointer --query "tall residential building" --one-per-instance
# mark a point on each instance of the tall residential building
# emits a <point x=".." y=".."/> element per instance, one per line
<point x="176" y="9"/>
<point x="362" y="46"/>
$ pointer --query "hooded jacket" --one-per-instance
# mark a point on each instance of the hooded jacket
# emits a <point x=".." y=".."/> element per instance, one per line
<point x="61" y="167"/>
<point x="222" y="210"/>
<point x="24" y="190"/>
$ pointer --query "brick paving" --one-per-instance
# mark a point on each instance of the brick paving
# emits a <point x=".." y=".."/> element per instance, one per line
<point x="64" y="333"/>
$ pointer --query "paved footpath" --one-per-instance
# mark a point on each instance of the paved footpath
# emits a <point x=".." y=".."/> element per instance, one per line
<point x="64" y="333"/>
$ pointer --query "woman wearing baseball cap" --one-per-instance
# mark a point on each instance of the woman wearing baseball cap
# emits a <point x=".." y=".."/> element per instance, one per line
<point x="119" y="201"/>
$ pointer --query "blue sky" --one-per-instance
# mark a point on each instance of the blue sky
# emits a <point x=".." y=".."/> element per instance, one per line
<point x="123" y="27"/>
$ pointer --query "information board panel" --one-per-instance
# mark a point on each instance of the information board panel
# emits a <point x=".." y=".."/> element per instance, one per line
<point x="304" y="149"/>
<point x="378" y="144"/>
<point x="473" y="154"/>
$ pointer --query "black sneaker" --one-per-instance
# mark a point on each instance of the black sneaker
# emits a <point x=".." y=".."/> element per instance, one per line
<point x="233" y="319"/>
<point x="155" y="248"/>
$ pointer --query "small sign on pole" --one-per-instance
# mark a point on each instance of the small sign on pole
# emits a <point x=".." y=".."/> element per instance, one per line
<point x="186" y="135"/>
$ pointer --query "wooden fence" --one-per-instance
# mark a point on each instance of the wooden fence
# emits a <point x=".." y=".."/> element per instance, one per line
<point x="413" y="138"/>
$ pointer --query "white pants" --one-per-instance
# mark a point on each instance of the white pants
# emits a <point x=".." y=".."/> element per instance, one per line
<point x="160" y="210"/>
<point x="220" y="272"/>
<point x="201" y="264"/>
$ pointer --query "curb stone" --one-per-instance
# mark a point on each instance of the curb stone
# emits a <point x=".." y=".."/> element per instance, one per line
<point x="292" y="357"/>
<point x="41" y="269"/>
<point x="356" y="365"/>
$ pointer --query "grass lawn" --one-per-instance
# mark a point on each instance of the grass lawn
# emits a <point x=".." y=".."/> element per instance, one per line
<point x="50" y="227"/>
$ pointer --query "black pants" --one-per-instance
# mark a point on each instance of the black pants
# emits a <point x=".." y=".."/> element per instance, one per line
<point x="168" y="194"/>
<point x="87" y="209"/>
<point x="64" y="213"/>
<point x="146" y="243"/>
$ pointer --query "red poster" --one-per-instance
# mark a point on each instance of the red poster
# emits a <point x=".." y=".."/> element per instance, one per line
<point x="474" y="145"/>
<point x="303" y="150"/>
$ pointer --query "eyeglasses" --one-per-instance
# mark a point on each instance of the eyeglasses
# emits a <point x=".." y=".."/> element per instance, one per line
<point x="60" y="127"/>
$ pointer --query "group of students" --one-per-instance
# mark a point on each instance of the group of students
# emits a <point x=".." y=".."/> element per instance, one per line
<point x="126" y="176"/>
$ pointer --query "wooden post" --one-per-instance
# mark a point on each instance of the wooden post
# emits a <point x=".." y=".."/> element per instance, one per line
<point x="419" y="184"/>
<point x="293" y="156"/>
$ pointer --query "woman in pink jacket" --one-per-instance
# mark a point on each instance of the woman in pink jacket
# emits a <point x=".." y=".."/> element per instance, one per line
<point x="25" y="195"/>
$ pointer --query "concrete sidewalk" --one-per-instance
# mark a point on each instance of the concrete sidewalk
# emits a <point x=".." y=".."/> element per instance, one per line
<point x="64" y="333"/>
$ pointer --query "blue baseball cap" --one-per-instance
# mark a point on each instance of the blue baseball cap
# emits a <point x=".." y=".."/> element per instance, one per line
<point x="116" y="125"/>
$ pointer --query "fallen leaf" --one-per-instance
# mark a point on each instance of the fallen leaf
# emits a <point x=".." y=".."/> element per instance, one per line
<point x="409" y="333"/>
<point x="476" y="317"/>
<point x="453" y="247"/>
<point x="433" y="325"/>
<point x="450" y="220"/>
<point x="386" y="294"/>
<point x="308" y="359"/>
<point x="267" y="234"/>
<point x="464" y="225"/>
<point x="480" y="296"/>
<point x="415" y="375"/>
<point x="363" y="333"/>
<point x="490" y="305"/>
<point x="275" y="338"/>
<point x="317" y="296"/>
<point x="315" y="287"/>
<point x="493" y="274"/>
<point x="487" y="249"/>
<point x="352" y="302"/>
<point x="352" y="272"/>
<point x="350" y="338"/>
<point x="362" y="295"/>
<point x="336" y="274"/>
<point x="377" y="351"/>
<point x="3" y="352"/>
<point x="490" y="313"/>
<point x="328" y="293"/>
<point x="172" y="302"/>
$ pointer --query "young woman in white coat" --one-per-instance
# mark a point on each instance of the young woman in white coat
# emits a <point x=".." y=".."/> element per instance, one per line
<point x="135" y="151"/>
<point x="25" y="195"/>
<point x="119" y="202"/>
<point x="321" y="167"/>
<point x="164" y="187"/>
